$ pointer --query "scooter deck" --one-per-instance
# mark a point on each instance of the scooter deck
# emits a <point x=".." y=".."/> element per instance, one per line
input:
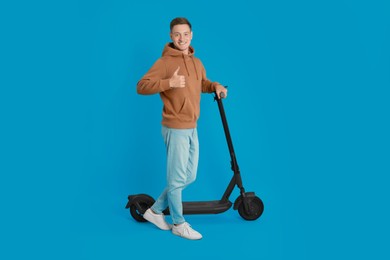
<point x="204" y="207"/>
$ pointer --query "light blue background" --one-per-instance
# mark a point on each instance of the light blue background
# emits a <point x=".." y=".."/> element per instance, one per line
<point x="308" y="110"/>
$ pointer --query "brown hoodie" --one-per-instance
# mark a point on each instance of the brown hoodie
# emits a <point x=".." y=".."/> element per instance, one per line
<point x="181" y="105"/>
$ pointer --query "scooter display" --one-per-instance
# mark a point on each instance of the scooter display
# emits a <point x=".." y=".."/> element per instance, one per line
<point x="249" y="206"/>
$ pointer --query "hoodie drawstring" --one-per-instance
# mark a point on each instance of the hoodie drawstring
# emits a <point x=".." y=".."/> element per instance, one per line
<point x="185" y="64"/>
<point x="196" y="71"/>
<point x="193" y="62"/>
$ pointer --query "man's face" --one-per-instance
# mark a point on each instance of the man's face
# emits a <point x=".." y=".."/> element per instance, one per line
<point x="181" y="36"/>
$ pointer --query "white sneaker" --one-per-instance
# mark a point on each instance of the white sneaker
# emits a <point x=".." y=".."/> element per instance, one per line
<point x="185" y="230"/>
<point x="157" y="219"/>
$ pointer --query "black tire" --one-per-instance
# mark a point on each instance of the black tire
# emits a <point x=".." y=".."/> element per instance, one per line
<point x="256" y="208"/>
<point x="144" y="204"/>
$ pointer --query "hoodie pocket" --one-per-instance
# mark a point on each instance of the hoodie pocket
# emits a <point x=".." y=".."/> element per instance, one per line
<point x="187" y="111"/>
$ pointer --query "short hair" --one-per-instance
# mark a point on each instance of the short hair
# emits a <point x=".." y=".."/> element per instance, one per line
<point x="180" y="20"/>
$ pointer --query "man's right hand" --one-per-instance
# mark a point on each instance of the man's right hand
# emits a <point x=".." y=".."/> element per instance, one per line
<point x="177" y="81"/>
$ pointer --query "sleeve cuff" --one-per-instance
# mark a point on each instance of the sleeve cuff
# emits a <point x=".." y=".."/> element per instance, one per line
<point x="164" y="85"/>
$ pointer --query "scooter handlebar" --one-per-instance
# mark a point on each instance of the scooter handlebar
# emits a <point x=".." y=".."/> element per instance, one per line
<point x="222" y="94"/>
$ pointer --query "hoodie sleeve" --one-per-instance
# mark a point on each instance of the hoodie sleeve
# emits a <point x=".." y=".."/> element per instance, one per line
<point x="207" y="85"/>
<point x="154" y="81"/>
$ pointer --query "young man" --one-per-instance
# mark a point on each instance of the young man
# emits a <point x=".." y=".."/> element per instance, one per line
<point x="179" y="78"/>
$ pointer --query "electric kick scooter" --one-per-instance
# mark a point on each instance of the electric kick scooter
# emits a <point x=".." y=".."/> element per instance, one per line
<point x="250" y="207"/>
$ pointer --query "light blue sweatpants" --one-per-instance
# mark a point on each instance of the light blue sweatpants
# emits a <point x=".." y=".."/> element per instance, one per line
<point x="182" y="163"/>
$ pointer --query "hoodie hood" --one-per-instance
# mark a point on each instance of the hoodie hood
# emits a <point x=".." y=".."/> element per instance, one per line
<point x="170" y="50"/>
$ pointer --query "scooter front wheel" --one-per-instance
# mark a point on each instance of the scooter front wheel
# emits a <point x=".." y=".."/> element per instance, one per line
<point x="255" y="209"/>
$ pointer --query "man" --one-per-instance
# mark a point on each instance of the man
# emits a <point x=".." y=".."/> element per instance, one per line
<point x="179" y="78"/>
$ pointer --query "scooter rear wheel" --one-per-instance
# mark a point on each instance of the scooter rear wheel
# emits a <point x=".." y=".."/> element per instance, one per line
<point x="256" y="208"/>
<point x="138" y="210"/>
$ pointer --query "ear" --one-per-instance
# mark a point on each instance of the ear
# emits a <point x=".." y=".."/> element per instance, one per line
<point x="171" y="36"/>
<point x="192" y="35"/>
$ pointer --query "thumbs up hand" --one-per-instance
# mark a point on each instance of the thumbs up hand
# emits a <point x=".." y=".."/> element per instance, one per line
<point x="177" y="81"/>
